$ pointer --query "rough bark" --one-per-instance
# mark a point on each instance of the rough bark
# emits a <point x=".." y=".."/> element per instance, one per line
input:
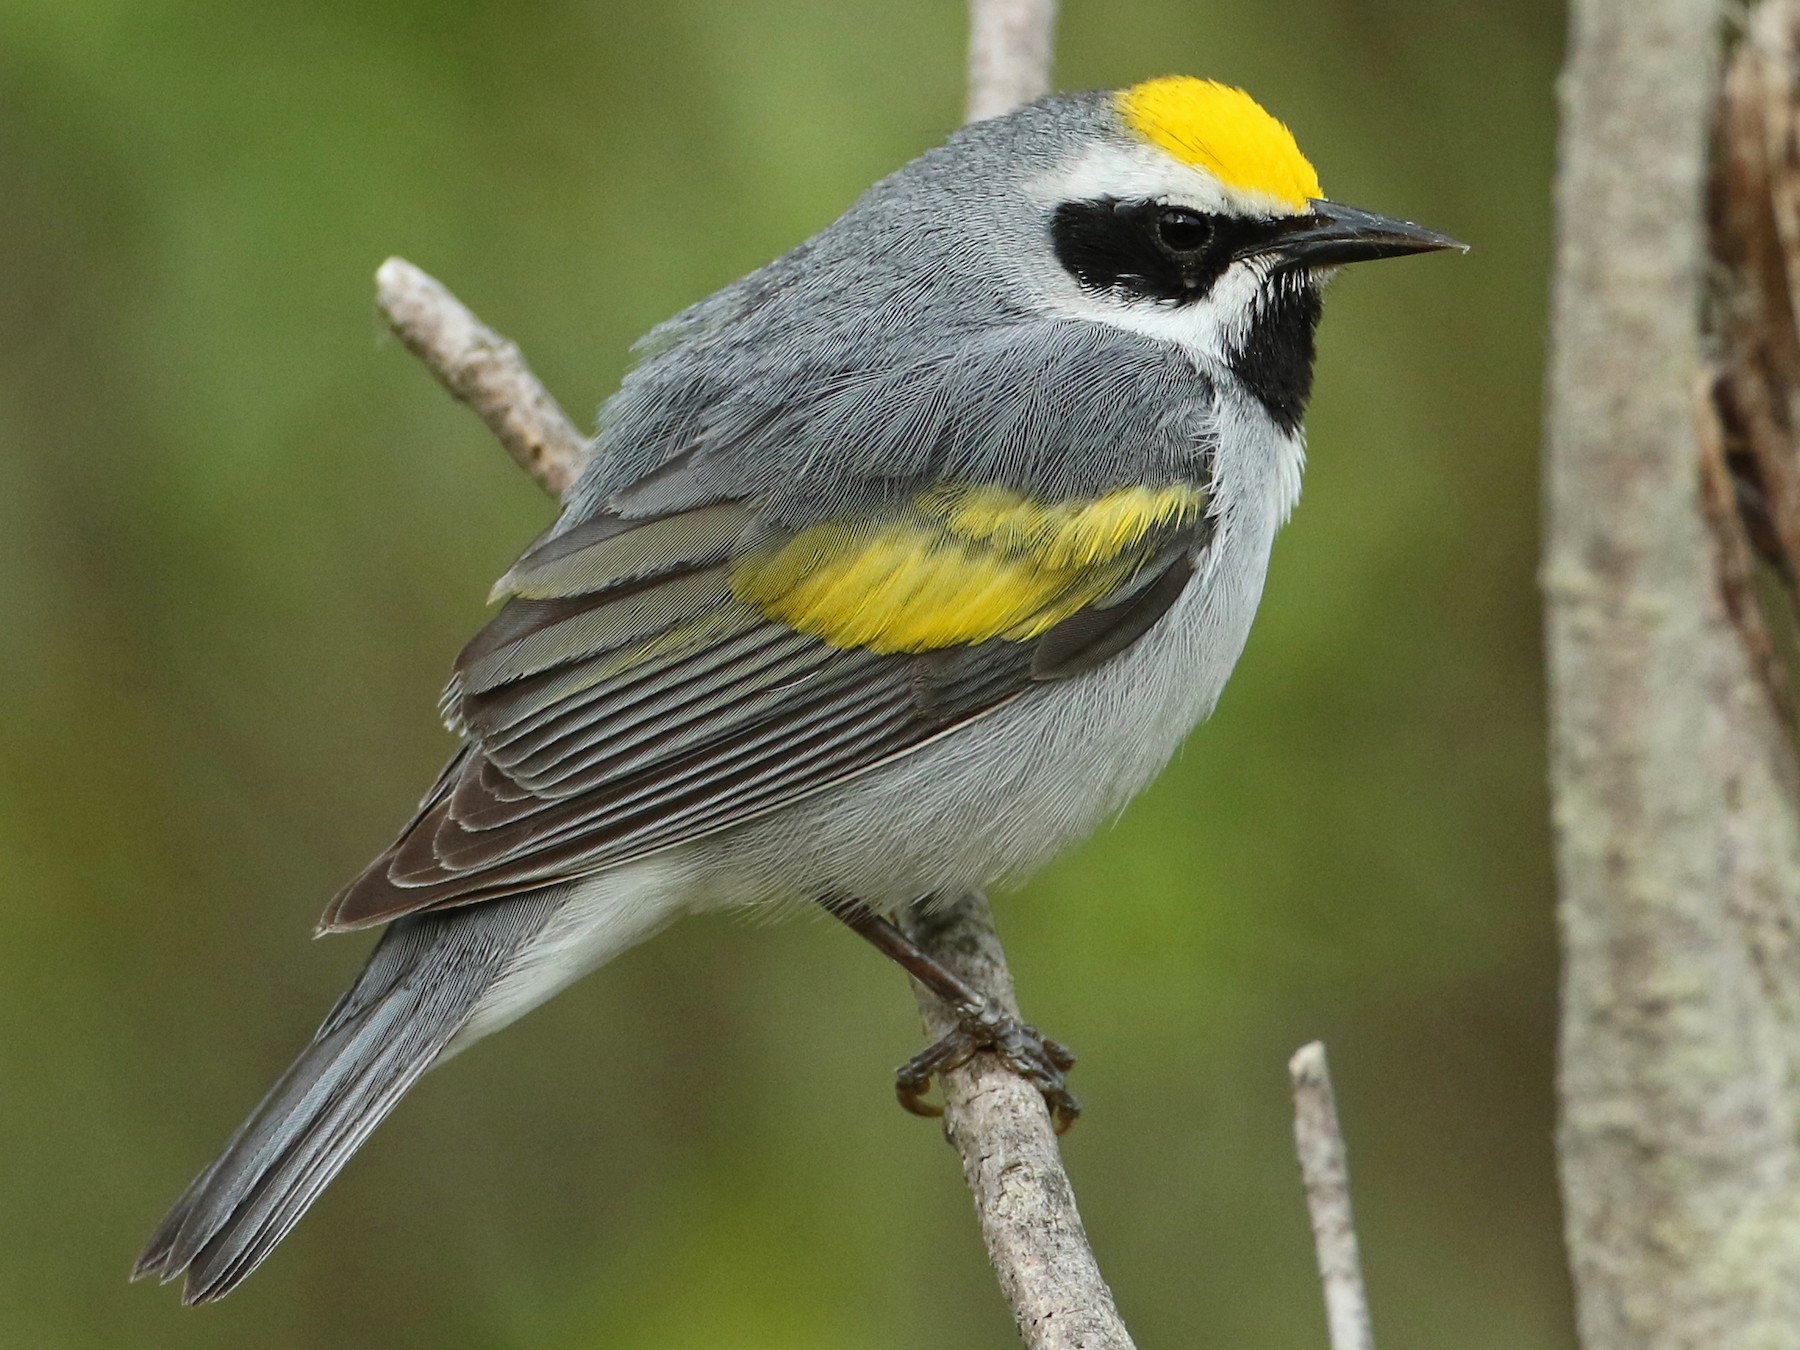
<point x="1750" y="460"/>
<point x="1674" y="803"/>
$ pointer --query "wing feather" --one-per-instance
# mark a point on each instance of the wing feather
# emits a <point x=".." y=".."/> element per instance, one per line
<point x="599" y="554"/>
<point x="650" y="746"/>
<point x="654" y="680"/>
<point x="742" y="688"/>
<point x="534" y="710"/>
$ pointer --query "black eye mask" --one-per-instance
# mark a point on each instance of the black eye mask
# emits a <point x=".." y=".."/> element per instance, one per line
<point x="1173" y="255"/>
<point x="1152" y="250"/>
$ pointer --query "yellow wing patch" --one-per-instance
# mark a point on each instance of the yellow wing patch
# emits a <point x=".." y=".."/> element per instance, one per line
<point x="965" y="565"/>
<point x="1224" y="131"/>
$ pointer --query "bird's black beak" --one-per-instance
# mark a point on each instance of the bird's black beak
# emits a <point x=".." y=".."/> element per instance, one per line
<point x="1331" y="234"/>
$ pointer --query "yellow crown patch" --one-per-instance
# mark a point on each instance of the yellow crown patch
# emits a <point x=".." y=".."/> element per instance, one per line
<point x="1224" y="131"/>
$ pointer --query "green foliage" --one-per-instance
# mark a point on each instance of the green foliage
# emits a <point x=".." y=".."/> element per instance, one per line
<point x="241" y="537"/>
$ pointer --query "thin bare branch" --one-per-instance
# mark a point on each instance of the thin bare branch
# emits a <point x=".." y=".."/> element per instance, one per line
<point x="994" y="1119"/>
<point x="1325" y="1172"/>
<point x="997" y="1123"/>
<point x="483" y="370"/>
<point x="1010" y="44"/>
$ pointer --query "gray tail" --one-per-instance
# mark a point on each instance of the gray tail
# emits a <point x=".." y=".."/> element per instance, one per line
<point x="422" y="982"/>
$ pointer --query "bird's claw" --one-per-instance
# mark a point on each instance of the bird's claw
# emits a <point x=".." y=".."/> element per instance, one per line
<point x="1036" y="1058"/>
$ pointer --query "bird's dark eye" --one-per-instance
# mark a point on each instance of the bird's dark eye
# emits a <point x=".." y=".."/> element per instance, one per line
<point x="1183" y="231"/>
<point x="1143" y="249"/>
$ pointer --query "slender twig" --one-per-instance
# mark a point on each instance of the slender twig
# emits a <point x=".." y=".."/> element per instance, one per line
<point x="997" y="1123"/>
<point x="1325" y="1173"/>
<point x="1009" y="54"/>
<point x="994" y="1119"/>
<point x="483" y="370"/>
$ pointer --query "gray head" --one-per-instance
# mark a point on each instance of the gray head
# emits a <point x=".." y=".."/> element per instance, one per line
<point x="1177" y="210"/>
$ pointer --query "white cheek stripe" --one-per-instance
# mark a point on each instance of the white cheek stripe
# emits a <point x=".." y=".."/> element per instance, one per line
<point x="1212" y="329"/>
<point x="1143" y="172"/>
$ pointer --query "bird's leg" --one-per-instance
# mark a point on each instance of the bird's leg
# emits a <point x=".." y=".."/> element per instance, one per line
<point x="981" y="1025"/>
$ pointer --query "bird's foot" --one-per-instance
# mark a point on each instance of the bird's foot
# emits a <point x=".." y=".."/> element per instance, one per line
<point x="1036" y="1058"/>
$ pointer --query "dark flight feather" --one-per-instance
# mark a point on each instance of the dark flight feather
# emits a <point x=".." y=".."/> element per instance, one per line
<point x="419" y="987"/>
<point x="641" y="714"/>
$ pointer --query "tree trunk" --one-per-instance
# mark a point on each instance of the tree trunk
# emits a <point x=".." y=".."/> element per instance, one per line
<point x="1674" y="787"/>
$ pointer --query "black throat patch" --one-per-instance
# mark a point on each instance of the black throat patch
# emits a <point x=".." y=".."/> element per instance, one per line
<point x="1276" y="360"/>
<point x="1147" y="252"/>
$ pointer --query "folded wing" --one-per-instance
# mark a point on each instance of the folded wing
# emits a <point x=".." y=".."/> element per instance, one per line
<point x="652" y="680"/>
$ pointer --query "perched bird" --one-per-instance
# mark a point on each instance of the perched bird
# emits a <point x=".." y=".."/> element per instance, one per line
<point x="898" y="565"/>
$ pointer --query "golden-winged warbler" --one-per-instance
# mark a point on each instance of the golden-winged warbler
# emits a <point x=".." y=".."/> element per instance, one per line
<point x="898" y="565"/>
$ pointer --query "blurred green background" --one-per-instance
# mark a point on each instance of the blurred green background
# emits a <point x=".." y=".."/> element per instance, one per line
<point x="241" y="536"/>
